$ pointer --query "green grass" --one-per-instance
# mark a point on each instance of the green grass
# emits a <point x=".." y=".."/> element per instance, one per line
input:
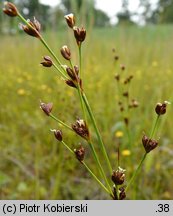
<point x="32" y="164"/>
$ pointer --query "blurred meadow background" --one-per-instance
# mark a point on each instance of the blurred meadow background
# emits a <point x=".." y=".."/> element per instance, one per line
<point x="33" y="165"/>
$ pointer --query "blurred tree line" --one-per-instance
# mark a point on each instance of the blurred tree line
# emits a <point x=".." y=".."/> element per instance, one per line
<point x="53" y="17"/>
<point x="159" y="13"/>
<point x="87" y="13"/>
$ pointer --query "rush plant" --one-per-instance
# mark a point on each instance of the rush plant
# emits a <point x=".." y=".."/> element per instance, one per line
<point x="110" y="179"/>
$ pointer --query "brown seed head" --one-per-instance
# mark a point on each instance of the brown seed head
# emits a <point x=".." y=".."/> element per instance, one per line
<point x="58" y="134"/>
<point x="71" y="73"/>
<point x="47" y="61"/>
<point x="149" y="144"/>
<point x="116" y="58"/>
<point x="33" y="28"/>
<point x="161" y="108"/>
<point x="65" y="52"/>
<point x="80" y="34"/>
<point x="126" y="121"/>
<point x="117" y="77"/>
<point x="121" y="108"/>
<point x="80" y="153"/>
<point x="71" y="83"/>
<point x="122" y="67"/>
<point x="122" y="193"/>
<point x="81" y="129"/>
<point x="118" y="176"/>
<point x="10" y="9"/>
<point x="135" y="103"/>
<point x="76" y="69"/>
<point x="70" y="19"/>
<point x="47" y="108"/>
<point x="126" y="94"/>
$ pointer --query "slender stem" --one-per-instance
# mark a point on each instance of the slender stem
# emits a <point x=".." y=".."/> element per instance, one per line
<point x="84" y="113"/>
<point x="154" y="127"/>
<point x="60" y="122"/>
<point x="43" y="41"/>
<point x="99" y="165"/>
<point x="118" y="154"/>
<point x="50" y="50"/>
<point x="136" y="172"/>
<point x="67" y="147"/>
<point x="56" y="67"/>
<point x="93" y="175"/>
<point x="128" y="134"/>
<point x="97" y="131"/>
<point x="123" y="114"/>
<point x="89" y="170"/>
<point x="82" y="104"/>
<point x="58" y="176"/>
<point x="37" y="173"/>
<point x="80" y="59"/>
<point x="24" y="20"/>
<point x="79" y="93"/>
<point x="140" y="164"/>
<point x="117" y="191"/>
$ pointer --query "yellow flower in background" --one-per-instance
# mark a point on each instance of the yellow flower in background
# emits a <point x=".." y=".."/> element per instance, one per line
<point x="20" y="80"/>
<point x="49" y="90"/>
<point x="167" y="195"/>
<point x="28" y="77"/>
<point x="44" y="87"/>
<point x="21" y="92"/>
<point x="154" y="63"/>
<point x="118" y="134"/>
<point x="126" y="152"/>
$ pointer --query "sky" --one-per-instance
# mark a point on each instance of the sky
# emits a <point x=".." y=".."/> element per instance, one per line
<point x="111" y="7"/>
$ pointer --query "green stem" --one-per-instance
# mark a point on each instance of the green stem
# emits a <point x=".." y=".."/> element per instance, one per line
<point x="140" y="164"/>
<point x="99" y="165"/>
<point x="60" y="122"/>
<point x="97" y="131"/>
<point x="43" y="41"/>
<point x="58" y="176"/>
<point x="56" y="67"/>
<point x="89" y="170"/>
<point x="37" y="173"/>
<point x="117" y="191"/>
<point x="128" y="134"/>
<point x="94" y="176"/>
<point x="136" y="172"/>
<point x="67" y="147"/>
<point x="52" y="53"/>
<point x="80" y="60"/>
<point x="154" y="127"/>
<point x="79" y="93"/>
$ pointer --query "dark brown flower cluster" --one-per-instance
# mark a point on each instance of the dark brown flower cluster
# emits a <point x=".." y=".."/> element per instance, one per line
<point x="81" y="129"/>
<point x="118" y="176"/>
<point x="128" y="79"/>
<point x="47" y="61"/>
<point x="10" y="9"/>
<point x="122" y="194"/>
<point x="74" y="80"/>
<point x="32" y="28"/>
<point x="80" y="153"/>
<point x="161" y="108"/>
<point x="47" y="108"/>
<point x="149" y="144"/>
<point x="65" y="52"/>
<point x="57" y="134"/>
<point x="79" y="33"/>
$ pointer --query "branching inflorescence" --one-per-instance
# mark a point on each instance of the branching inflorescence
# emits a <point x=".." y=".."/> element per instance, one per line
<point x="113" y="181"/>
